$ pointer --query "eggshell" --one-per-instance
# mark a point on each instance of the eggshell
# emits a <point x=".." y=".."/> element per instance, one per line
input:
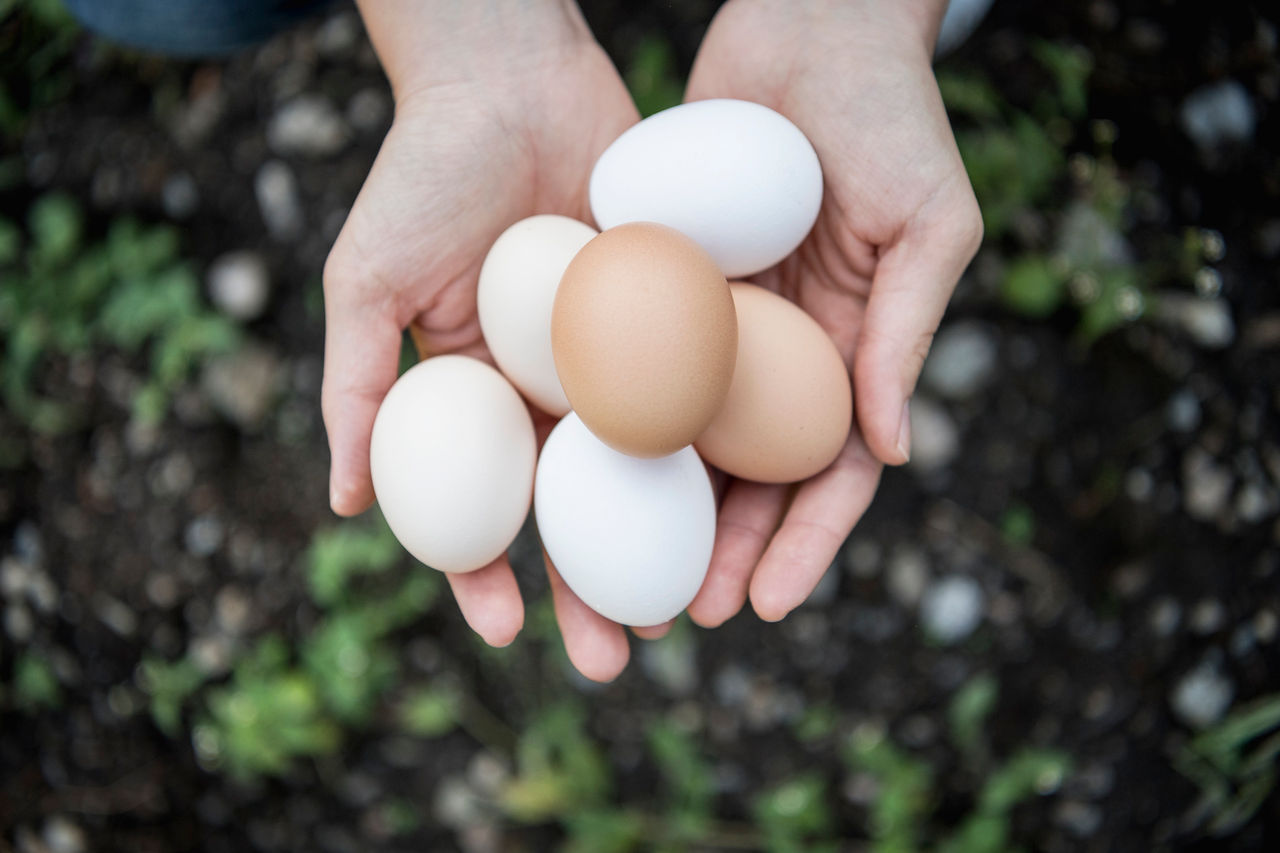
<point x="514" y="296"/>
<point x="790" y="406"/>
<point x="631" y="537"/>
<point x="644" y="338"/>
<point x="452" y="457"/>
<point x="737" y="177"/>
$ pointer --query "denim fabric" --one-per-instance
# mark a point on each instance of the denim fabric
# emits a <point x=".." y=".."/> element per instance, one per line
<point x="190" y="28"/>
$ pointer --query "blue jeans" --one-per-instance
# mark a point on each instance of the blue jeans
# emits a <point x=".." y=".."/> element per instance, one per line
<point x="190" y="28"/>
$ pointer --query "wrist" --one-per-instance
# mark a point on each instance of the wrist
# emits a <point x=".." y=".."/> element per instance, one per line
<point x="424" y="44"/>
<point x="880" y="23"/>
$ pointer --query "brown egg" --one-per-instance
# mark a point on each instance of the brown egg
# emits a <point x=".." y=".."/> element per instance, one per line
<point x="644" y="338"/>
<point x="790" y="405"/>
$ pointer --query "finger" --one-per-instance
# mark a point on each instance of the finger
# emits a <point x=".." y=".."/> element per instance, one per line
<point x="748" y="517"/>
<point x="597" y="648"/>
<point x="913" y="282"/>
<point x="361" y="357"/>
<point x="490" y="601"/>
<point x="825" y="509"/>
<point x="653" y="632"/>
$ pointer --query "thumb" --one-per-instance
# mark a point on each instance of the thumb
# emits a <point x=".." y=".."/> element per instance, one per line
<point x="361" y="357"/>
<point x="913" y="283"/>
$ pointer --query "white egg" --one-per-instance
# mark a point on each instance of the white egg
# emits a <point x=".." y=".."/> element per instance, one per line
<point x="452" y="457"/>
<point x="517" y="288"/>
<point x="631" y="537"/>
<point x="737" y="177"/>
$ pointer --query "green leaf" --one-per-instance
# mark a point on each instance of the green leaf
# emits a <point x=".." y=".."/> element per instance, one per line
<point x="35" y="687"/>
<point x="169" y="685"/>
<point x="794" y="809"/>
<point x="603" y="831"/>
<point x="1028" y="773"/>
<point x="429" y="712"/>
<point x="970" y="95"/>
<point x="969" y="709"/>
<point x="652" y="78"/>
<point x="560" y="769"/>
<point x="1032" y="287"/>
<point x="10" y="243"/>
<point x="342" y="552"/>
<point x="56" y="225"/>
<point x="1070" y="67"/>
<point x="688" y="778"/>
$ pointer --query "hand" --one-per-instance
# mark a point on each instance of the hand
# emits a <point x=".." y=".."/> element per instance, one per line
<point x="898" y="225"/>
<point x="500" y="114"/>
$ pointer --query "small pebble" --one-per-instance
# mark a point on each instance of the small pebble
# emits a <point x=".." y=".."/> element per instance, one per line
<point x="239" y="285"/>
<point x="952" y="608"/>
<point x="935" y="438"/>
<point x="243" y="386"/>
<point x="1207" y="616"/>
<point x="1165" y="617"/>
<point x="961" y="362"/>
<point x="1206" y="485"/>
<point x="62" y="835"/>
<point x="1202" y="696"/>
<point x="276" y="190"/>
<point x="1218" y="113"/>
<point x="906" y="576"/>
<point x="1265" y="624"/>
<point x="308" y="126"/>
<point x="18" y="623"/>
<point x="180" y="196"/>
<point x="1182" y="412"/>
<point x="1080" y="819"/>
<point x="203" y="536"/>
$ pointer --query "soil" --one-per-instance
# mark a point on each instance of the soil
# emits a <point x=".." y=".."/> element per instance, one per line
<point x="1136" y="571"/>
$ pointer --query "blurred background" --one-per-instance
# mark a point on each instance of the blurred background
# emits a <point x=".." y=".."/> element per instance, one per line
<point x="1055" y="630"/>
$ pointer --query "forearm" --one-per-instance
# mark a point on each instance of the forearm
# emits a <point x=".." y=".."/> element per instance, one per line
<point x="423" y="43"/>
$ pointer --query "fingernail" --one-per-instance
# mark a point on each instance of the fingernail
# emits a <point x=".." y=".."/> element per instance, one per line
<point x="904" y="431"/>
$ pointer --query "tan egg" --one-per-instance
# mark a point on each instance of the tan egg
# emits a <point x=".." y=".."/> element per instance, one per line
<point x="644" y="337"/>
<point x="790" y="405"/>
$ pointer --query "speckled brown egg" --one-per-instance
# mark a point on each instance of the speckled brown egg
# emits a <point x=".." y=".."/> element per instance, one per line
<point x="790" y="405"/>
<point x="645" y="338"/>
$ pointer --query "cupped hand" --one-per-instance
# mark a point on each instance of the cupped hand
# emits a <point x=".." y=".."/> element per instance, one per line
<point x="468" y="154"/>
<point x="897" y="226"/>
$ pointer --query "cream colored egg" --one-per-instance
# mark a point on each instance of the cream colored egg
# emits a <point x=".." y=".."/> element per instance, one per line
<point x="514" y="296"/>
<point x="452" y="457"/>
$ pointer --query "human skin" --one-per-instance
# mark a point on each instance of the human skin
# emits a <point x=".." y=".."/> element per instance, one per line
<point x="502" y="108"/>
<point x="897" y="226"/>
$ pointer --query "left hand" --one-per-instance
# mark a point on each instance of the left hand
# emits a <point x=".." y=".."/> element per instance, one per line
<point x="898" y="225"/>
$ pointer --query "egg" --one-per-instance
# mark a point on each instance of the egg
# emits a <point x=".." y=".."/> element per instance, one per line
<point x="644" y="338"/>
<point x="631" y="537"/>
<point x="790" y="405"/>
<point x="514" y="295"/>
<point x="452" y="457"/>
<point x="737" y="177"/>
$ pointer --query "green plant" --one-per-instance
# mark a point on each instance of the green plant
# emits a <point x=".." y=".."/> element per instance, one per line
<point x="652" y="78"/>
<point x="35" y="686"/>
<point x="796" y="816"/>
<point x="1234" y="764"/>
<point x="559" y="769"/>
<point x="62" y="296"/>
<point x="36" y="38"/>
<point x="687" y="778"/>
<point x="283" y="703"/>
<point x="902" y="812"/>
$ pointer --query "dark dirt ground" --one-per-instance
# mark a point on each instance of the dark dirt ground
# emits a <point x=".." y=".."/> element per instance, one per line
<point x="1150" y="465"/>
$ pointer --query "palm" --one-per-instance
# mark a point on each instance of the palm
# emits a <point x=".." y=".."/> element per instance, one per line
<point x="872" y="112"/>
<point x="459" y="165"/>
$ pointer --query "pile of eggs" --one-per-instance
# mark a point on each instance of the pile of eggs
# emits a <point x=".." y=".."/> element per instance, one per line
<point x="654" y="361"/>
